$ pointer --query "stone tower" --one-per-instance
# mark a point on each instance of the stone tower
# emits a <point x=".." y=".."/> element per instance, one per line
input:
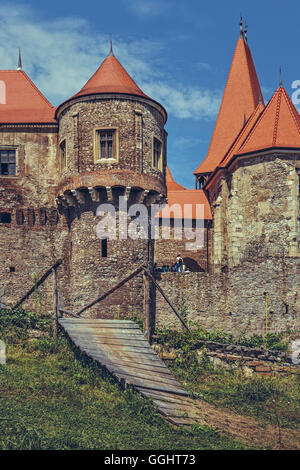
<point x="111" y="143"/>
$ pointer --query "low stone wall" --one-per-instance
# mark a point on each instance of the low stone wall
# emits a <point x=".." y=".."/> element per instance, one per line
<point x="234" y="301"/>
<point x="249" y="360"/>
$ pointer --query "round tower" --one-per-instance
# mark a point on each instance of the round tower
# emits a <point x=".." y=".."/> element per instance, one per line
<point x="112" y="143"/>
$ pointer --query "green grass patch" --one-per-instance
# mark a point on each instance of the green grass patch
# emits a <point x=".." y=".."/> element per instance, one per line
<point x="52" y="397"/>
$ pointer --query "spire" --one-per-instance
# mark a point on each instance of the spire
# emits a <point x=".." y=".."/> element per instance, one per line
<point x="242" y="94"/>
<point x="246" y="31"/>
<point x="280" y="77"/>
<point x="172" y="185"/>
<point x="111" y="52"/>
<point x="241" y="26"/>
<point x="19" y="61"/>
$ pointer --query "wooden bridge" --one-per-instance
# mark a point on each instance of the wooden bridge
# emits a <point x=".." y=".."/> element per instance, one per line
<point x="120" y="346"/>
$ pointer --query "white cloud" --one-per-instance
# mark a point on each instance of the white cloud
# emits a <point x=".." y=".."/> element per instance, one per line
<point x="61" y="55"/>
<point x="185" y="102"/>
<point x="145" y="8"/>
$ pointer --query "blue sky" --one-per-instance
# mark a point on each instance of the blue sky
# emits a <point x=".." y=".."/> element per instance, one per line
<point x="178" y="52"/>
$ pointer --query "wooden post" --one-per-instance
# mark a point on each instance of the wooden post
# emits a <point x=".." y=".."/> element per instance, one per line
<point x="55" y="304"/>
<point x="147" y="308"/>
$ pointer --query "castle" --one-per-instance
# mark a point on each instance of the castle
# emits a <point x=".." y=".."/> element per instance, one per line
<point x="109" y="140"/>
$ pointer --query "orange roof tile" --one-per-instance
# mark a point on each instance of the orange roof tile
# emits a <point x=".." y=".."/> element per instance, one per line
<point x="242" y="135"/>
<point x="277" y="126"/>
<point x="110" y="77"/>
<point x="241" y="96"/>
<point x="187" y="196"/>
<point x="21" y="101"/>
<point x="171" y="184"/>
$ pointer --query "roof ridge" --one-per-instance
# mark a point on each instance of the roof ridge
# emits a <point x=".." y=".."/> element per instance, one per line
<point x="292" y="108"/>
<point x="36" y="88"/>
<point x="277" y="113"/>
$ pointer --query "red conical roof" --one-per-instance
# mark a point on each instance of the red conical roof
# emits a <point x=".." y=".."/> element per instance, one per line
<point x="171" y="184"/>
<point x="21" y="101"/>
<point x="110" y="77"/>
<point x="277" y="126"/>
<point x="241" y="96"/>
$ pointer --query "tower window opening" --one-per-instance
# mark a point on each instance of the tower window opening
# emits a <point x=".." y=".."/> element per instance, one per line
<point x="7" y="162"/>
<point x="63" y="155"/>
<point x="107" y="144"/>
<point x="5" y="218"/>
<point x="157" y="154"/>
<point x="104" y="248"/>
<point x="201" y="182"/>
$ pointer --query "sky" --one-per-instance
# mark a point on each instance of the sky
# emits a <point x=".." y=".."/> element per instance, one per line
<point x="178" y="52"/>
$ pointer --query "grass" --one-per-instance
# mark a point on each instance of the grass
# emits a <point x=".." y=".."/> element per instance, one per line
<point x="53" y="398"/>
<point x="264" y="398"/>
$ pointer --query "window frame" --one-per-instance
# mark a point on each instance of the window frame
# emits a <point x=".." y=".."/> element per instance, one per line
<point x="10" y="148"/>
<point x="97" y="145"/>
<point x="159" y="166"/>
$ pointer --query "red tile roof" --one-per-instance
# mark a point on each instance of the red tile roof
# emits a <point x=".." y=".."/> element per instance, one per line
<point x="110" y="77"/>
<point x="242" y="135"/>
<point x="277" y="126"/>
<point x="171" y="184"/>
<point x="21" y="101"/>
<point x="192" y="197"/>
<point x="241" y="96"/>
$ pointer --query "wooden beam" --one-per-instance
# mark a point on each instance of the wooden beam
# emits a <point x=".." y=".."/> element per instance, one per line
<point x="147" y="272"/>
<point x="110" y="291"/>
<point x="38" y="283"/>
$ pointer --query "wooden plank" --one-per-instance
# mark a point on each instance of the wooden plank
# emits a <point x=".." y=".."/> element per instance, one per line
<point x="143" y="367"/>
<point x="147" y="384"/>
<point x="135" y="373"/>
<point x="167" y="397"/>
<point x="118" y="345"/>
<point x="108" y="324"/>
<point x="143" y="362"/>
<point x="180" y="421"/>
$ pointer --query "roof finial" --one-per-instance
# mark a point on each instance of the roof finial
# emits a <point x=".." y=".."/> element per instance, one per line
<point x="19" y="61"/>
<point x="245" y="31"/>
<point x="241" y="26"/>
<point x="280" y="77"/>
<point x="111" y="52"/>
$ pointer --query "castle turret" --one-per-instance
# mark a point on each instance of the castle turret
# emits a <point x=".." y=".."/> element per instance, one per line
<point x="112" y="143"/>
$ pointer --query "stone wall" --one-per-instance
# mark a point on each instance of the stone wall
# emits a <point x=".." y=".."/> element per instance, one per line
<point x="166" y="250"/>
<point x="256" y="210"/>
<point x="234" y="301"/>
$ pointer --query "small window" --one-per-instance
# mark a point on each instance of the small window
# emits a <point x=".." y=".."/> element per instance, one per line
<point x="107" y="148"/>
<point x="201" y="182"/>
<point x="104" y="248"/>
<point x="5" y="218"/>
<point x="7" y="162"/>
<point x="12" y="269"/>
<point x="157" y="154"/>
<point x="63" y="155"/>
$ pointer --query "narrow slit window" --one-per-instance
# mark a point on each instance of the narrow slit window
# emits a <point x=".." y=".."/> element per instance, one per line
<point x="104" y="248"/>
<point x="63" y="155"/>
<point x="7" y="162"/>
<point x="157" y="154"/>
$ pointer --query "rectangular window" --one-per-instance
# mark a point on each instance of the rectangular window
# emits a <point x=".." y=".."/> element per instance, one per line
<point x="63" y="155"/>
<point x="157" y="154"/>
<point x="5" y="218"/>
<point x="7" y="162"/>
<point x="107" y="147"/>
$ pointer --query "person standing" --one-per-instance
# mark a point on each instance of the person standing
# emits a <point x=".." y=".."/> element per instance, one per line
<point x="179" y="264"/>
